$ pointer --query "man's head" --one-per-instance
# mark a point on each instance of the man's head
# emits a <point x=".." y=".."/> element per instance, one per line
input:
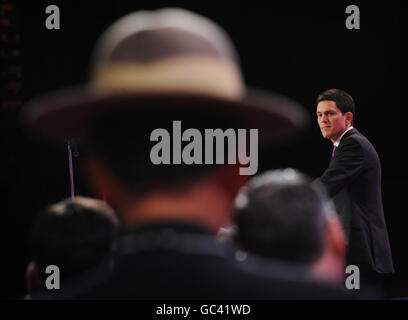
<point x="280" y="214"/>
<point x="119" y="168"/>
<point x="335" y="113"/>
<point x="74" y="235"/>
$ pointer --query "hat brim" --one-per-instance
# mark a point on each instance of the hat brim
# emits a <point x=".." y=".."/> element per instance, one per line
<point x="69" y="113"/>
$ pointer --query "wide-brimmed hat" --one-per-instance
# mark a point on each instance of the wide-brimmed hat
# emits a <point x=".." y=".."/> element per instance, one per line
<point x="168" y="57"/>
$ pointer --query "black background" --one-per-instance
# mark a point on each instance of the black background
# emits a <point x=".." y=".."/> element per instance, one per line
<point x="298" y="49"/>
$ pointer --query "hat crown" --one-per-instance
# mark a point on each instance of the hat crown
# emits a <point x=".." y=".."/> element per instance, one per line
<point x="153" y="27"/>
<point x="149" y="45"/>
<point x="167" y="50"/>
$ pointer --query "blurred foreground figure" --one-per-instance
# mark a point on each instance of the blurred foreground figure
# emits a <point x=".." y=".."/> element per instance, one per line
<point x="152" y="68"/>
<point x="279" y="214"/>
<point x="78" y="237"/>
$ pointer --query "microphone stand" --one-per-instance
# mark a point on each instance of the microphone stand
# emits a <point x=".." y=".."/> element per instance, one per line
<point x="71" y="146"/>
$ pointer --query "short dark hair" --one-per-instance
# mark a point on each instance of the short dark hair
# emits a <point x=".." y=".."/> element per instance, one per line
<point x="343" y="100"/>
<point x="280" y="214"/>
<point x="73" y="236"/>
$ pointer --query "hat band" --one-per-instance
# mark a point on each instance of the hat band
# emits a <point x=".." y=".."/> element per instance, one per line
<point x="182" y="74"/>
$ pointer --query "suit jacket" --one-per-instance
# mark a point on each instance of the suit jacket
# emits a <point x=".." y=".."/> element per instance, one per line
<point x="353" y="180"/>
<point x="182" y="261"/>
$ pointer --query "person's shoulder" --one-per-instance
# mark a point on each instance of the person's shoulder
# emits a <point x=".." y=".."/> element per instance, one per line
<point x="363" y="142"/>
<point x="265" y="287"/>
<point x="351" y="143"/>
<point x="351" y="135"/>
<point x="273" y="279"/>
<point x="355" y="136"/>
<point x="355" y="139"/>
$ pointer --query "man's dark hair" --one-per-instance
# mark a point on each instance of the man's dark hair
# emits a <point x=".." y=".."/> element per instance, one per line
<point x="343" y="100"/>
<point x="281" y="215"/>
<point x="74" y="236"/>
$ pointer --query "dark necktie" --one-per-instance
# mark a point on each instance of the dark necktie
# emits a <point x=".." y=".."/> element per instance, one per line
<point x="334" y="150"/>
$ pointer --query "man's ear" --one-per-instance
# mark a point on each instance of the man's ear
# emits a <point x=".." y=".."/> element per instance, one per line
<point x="229" y="178"/>
<point x="335" y="236"/>
<point x="101" y="180"/>
<point x="33" y="277"/>
<point x="349" y="118"/>
<point x="330" y="266"/>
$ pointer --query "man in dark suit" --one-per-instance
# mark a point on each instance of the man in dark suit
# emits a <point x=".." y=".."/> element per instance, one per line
<point x="353" y="179"/>
<point x="152" y="68"/>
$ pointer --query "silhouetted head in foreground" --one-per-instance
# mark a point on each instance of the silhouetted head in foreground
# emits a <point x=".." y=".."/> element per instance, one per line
<point x="280" y="214"/>
<point x="74" y="235"/>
